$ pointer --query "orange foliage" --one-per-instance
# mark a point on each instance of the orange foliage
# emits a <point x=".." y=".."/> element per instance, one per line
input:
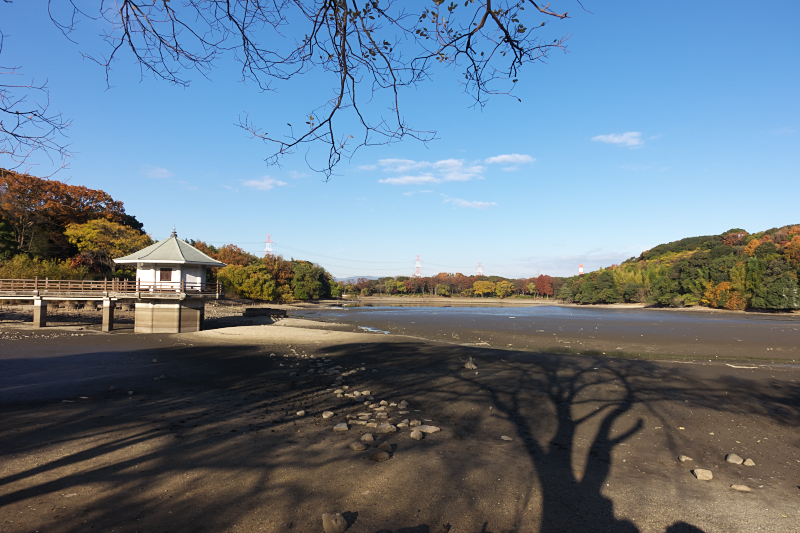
<point x="31" y="204"/>
<point x="724" y="296"/>
<point x="792" y="250"/>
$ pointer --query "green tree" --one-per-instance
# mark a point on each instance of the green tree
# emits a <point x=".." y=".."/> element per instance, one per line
<point x="504" y="289"/>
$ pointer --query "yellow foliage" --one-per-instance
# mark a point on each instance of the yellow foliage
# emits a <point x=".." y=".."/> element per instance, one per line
<point x="103" y="235"/>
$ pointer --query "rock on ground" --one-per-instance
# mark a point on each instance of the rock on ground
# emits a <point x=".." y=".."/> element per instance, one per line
<point x="385" y="447"/>
<point x="417" y="435"/>
<point x="340" y="427"/>
<point x="334" y="523"/>
<point x="428" y="429"/>
<point x="327" y="414"/>
<point x="684" y="458"/>
<point x="505" y="438"/>
<point x="703" y="475"/>
<point x="741" y="488"/>
<point x="367" y="437"/>
<point x="733" y="458"/>
<point x="379" y="456"/>
<point x="358" y="446"/>
<point x="385" y="428"/>
<point x="749" y="462"/>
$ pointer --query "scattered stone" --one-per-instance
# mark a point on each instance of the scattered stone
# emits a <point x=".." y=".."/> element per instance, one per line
<point x="403" y="404"/>
<point x="379" y="456"/>
<point x="67" y="401"/>
<point x="358" y="422"/>
<point x="733" y="458"/>
<point x="367" y="437"/>
<point x="348" y="395"/>
<point x="339" y="395"/>
<point x="301" y="413"/>
<point x="345" y="387"/>
<point x="417" y="435"/>
<point x="414" y="423"/>
<point x="155" y="360"/>
<point x="505" y="438"/>
<point x="340" y="427"/>
<point x="384" y="403"/>
<point x="358" y="446"/>
<point x="470" y="364"/>
<point x="749" y="462"/>
<point x="370" y="398"/>
<point x="334" y="523"/>
<point x="741" y="488"/>
<point x="404" y="412"/>
<point x="327" y="414"/>
<point x="292" y="374"/>
<point x="385" y="428"/>
<point x="385" y="447"/>
<point x="684" y="458"/>
<point x="703" y="475"/>
<point x="428" y="429"/>
<point x="393" y="404"/>
<point x="403" y="424"/>
<point x="356" y="394"/>
<point x="382" y="415"/>
<point x="365" y="393"/>
<point x="372" y="424"/>
<point x="338" y="391"/>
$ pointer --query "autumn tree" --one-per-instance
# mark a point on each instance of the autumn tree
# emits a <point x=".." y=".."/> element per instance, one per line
<point x="99" y="241"/>
<point x="369" y="51"/>
<point x="503" y="289"/>
<point x="483" y="287"/>
<point x="39" y="211"/>
<point x="544" y="285"/>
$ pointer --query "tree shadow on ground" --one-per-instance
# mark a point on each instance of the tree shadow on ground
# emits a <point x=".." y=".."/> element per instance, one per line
<point x="218" y="442"/>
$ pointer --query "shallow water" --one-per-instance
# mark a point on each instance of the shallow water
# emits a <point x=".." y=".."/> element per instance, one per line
<point x="576" y="328"/>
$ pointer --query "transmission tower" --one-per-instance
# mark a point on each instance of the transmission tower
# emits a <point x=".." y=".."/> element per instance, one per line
<point x="480" y="269"/>
<point x="268" y="246"/>
<point x="418" y="268"/>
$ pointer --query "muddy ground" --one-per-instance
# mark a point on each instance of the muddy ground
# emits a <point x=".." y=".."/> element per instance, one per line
<point x="217" y="445"/>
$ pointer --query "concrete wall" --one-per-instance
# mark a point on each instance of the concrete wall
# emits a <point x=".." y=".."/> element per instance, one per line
<point x="191" y="276"/>
<point x="169" y="316"/>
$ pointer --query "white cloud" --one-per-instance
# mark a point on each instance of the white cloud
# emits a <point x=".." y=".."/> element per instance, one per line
<point x="297" y="175"/>
<point x="567" y="265"/>
<point x="629" y="138"/>
<point x="402" y="165"/>
<point x="466" y="203"/>
<point x="509" y="159"/>
<point x="156" y="172"/>
<point x="411" y="180"/>
<point x="367" y="167"/>
<point x="438" y="171"/>
<point x="264" y="184"/>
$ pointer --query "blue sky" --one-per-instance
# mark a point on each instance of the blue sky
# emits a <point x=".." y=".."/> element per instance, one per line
<point x="662" y="121"/>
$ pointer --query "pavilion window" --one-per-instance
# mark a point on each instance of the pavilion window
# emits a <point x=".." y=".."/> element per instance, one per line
<point x="165" y="274"/>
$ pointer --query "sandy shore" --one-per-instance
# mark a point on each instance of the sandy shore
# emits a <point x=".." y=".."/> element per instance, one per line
<point x="216" y="444"/>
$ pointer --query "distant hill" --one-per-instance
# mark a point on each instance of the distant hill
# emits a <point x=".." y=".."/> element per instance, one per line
<point x="733" y="270"/>
<point x="355" y="278"/>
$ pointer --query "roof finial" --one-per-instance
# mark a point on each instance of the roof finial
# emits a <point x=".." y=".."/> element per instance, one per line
<point x="173" y="233"/>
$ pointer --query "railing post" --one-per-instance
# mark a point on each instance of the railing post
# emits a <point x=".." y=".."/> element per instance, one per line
<point x="36" y="283"/>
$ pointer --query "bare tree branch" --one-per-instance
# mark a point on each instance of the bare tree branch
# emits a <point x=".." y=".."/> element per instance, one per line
<point x="27" y="125"/>
<point x="379" y="47"/>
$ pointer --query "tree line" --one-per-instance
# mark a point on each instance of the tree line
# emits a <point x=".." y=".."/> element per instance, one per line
<point x="454" y="285"/>
<point x="50" y="229"/>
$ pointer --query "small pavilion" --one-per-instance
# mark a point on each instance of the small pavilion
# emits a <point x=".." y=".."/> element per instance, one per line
<point x="171" y="286"/>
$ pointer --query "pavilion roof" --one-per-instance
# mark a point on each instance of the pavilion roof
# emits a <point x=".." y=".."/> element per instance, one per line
<point x="171" y="250"/>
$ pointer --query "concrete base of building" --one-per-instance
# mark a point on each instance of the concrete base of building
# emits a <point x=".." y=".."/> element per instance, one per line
<point x="169" y="316"/>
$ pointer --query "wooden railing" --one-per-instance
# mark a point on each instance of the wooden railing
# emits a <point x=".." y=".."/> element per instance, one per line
<point x="51" y="286"/>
